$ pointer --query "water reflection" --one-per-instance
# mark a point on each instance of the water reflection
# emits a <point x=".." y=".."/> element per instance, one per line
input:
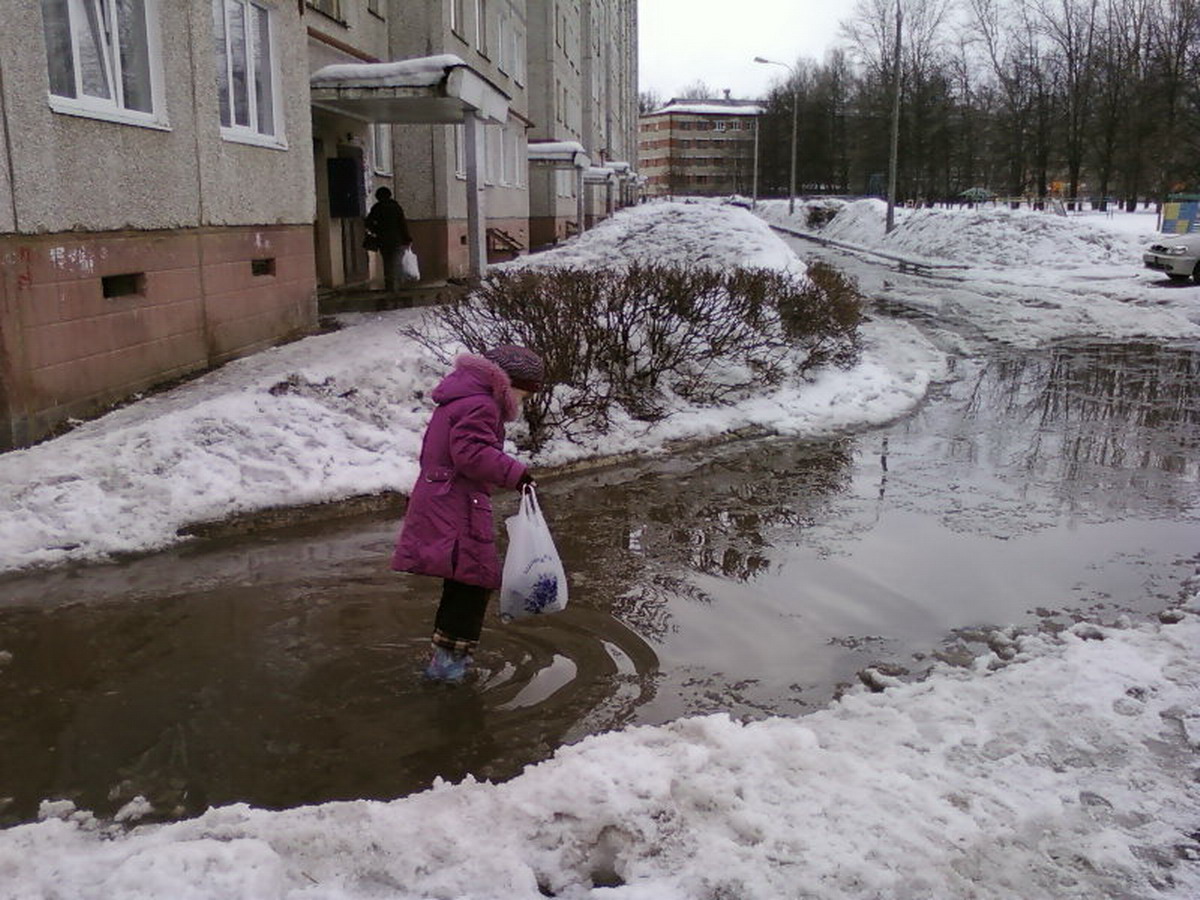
<point x="720" y="513"/>
<point x="1092" y="431"/>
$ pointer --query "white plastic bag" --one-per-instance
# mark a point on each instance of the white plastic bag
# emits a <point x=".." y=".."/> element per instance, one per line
<point x="533" y="582"/>
<point x="410" y="270"/>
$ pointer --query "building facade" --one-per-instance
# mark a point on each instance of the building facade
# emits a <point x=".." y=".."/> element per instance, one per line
<point x="179" y="180"/>
<point x="156" y="199"/>
<point x="699" y="147"/>
<point x="583" y="77"/>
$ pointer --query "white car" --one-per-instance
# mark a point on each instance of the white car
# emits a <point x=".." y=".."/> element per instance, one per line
<point x="1178" y="255"/>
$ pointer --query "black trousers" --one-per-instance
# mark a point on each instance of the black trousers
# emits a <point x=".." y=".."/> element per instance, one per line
<point x="459" y="620"/>
<point x="391" y="265"/>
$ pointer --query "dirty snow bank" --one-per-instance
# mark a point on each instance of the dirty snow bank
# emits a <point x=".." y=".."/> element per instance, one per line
<point x="1062" y="774"/>
<point x="1028" y="278"/>
<point x="983" y="236"/>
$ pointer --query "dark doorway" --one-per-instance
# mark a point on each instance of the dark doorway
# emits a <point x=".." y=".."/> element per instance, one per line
<point x="346" y="202"/>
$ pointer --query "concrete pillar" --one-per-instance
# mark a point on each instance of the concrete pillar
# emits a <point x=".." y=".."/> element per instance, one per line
<point x="476" y="207"/>
<point x="580" y="200"/>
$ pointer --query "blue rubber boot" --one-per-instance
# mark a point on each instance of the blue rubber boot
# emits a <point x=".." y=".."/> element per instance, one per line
<point x="447" y="666"/>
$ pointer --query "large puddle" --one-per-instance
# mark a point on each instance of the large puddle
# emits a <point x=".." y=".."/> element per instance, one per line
<point x="753" y="578"/>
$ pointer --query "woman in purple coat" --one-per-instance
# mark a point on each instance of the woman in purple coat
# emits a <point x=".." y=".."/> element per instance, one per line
<point x="448" y="530"/>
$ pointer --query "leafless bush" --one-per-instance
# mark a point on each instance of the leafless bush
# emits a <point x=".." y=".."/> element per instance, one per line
<point x="630" y="338"/>
<point x="820" y="216"/>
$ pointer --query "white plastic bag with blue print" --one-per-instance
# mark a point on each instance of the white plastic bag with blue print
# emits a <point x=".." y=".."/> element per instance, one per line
<point x="534" y="582"/>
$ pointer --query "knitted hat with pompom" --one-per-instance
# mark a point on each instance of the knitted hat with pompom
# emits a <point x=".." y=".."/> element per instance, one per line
<point x="525" y="368"/>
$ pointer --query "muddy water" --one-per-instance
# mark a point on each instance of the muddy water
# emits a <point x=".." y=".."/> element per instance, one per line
<point x="752" y="578"/>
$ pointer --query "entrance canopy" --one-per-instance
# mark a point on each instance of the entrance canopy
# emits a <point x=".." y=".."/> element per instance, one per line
<point x="599" y="175"/>
<point x="559" y="154"/>
<point x="431" y="90"/>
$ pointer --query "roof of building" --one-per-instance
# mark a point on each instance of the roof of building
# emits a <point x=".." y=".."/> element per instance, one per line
<point x="714" y="107"/>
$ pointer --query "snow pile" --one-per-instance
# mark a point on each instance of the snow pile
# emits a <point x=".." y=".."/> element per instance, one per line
<point x="860" y="222"/>
<point x="1027" y="277"/>
<point x="983" y="236"/>
<point x="341" y="415"/>
<point x="1058" y="775"/>
<point x="332" y="416"/>
<point x="680" y="233"/>
<point x="1006" y="237"/>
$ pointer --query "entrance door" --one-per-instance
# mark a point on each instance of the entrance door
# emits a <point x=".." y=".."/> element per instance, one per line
<point x="346" y="202"/>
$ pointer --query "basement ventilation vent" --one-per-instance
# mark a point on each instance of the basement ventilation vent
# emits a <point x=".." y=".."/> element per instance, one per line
<point x="123" y="285"/>
<point x="262" y="266"/>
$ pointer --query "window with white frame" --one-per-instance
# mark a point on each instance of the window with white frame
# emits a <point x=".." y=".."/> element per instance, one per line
<point x="492" y="143"/>
<point x="565" y="182"/>
<point x="381" y="148"/>
<point x="460" y="151"/>
<point x="245" y="70"/>
<point x="481" y="24"/>
<point x="503" y="54"/>
<point x="103" y="59"/>
<point x="456" y="15"/>
<point x="331" y="8"/>
<point x="512" y="155"/>
<point x="518" y="55"/>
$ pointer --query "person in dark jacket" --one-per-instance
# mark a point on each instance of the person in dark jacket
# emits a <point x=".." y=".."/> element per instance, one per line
<point x="448" y="531"/>
<point x="386" y="223"/>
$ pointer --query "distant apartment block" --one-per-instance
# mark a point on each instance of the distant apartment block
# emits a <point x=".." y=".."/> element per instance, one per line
<point x="179" y="179"/>
<point x="699" y="147"/>
<point x="583" y="90"/>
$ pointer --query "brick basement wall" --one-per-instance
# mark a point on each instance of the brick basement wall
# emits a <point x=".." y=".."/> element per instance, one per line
<point x="86" y="320"/>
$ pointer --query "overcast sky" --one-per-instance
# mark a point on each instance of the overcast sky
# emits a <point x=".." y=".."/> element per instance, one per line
<point x="682" y="41"/>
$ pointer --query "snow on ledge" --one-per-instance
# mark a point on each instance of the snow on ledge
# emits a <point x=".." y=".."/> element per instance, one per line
<point x="425" y="71"/>
<point x="555" y="149"/>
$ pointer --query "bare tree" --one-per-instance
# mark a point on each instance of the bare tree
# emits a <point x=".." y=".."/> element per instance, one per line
<point x="697" y="90"/>
<point x="1071" y="27"/>
<point x="1176" y="43"/>
<point x="649" y="101"/>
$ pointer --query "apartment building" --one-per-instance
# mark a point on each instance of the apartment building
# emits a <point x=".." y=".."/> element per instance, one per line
<point x="583" y="99"/>
<point x="451" y="149"/>
<point x="699" y="147"/>
<point x="179" y="178"/>
<point x="156" y="197"/>
<point x="550" y="71"/>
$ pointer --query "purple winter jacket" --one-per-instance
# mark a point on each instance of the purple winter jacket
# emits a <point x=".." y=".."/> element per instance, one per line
<point x="448" y="530"/>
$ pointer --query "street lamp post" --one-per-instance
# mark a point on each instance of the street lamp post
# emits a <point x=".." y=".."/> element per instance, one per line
<point x="894" y="155"/>
<point x="795" y="93"/>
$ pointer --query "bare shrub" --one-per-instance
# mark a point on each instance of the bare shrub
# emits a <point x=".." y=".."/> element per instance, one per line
<point x="630" y="338"/>
<point x="820" y="216"/>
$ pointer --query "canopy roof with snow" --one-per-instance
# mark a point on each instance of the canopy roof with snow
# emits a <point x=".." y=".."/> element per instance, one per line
<point x="429" y="90"/>
<point x="559" y="154"/>
<point x="598" y="175"/>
